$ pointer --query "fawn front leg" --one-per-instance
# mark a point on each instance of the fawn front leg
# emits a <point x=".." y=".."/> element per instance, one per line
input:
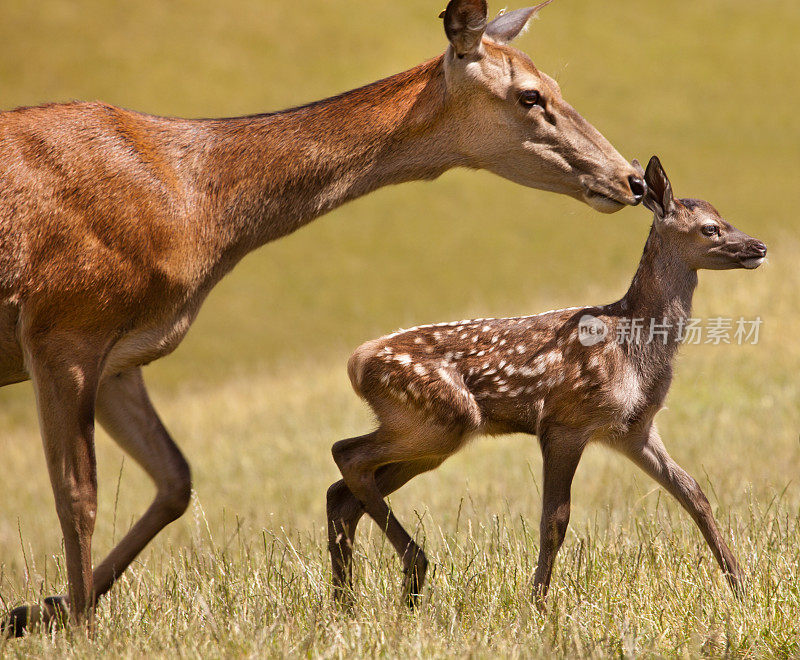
<point x="561" y="453"/>
<point x="649" y="453"/>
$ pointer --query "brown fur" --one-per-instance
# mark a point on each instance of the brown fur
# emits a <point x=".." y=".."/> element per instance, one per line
<point x="115" y="225"/>
<point x="433" y="387"/>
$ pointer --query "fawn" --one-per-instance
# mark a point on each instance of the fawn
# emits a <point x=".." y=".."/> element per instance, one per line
<point x="562" y="376"/>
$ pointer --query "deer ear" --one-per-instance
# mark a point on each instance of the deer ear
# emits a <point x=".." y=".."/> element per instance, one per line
<point x="658" y="197"/>
<point x="508" y="26"/>
<point x="464" y="23"/>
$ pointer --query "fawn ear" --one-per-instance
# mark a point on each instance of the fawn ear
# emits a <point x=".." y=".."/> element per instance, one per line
<point x="509" y="25"/>
<point x="658" y="197"/>
<point x="464" y="23"/>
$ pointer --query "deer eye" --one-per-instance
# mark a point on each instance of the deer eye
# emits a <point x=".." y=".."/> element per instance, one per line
<point x="530" y="98"/>
<point x="710" y="230"/>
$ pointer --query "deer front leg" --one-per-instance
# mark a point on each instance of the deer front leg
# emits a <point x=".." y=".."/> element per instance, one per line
<point x="124" y="409"/>
<point x="650" y="454"/>
<point x="561" y="453"/>
<point x="64" y="374"/>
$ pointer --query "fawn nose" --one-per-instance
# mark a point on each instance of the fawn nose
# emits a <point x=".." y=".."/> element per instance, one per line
<point x="760" y="249"/>
<point x="638" y="187"/>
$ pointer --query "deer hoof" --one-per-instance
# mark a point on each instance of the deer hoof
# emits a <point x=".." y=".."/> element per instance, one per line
<point x="344" y="598"/>
<point x="414" y="580"/>
<point x="52" y="613"/>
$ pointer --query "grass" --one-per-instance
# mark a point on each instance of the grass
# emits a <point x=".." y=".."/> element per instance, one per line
<point x="258" y="392"/>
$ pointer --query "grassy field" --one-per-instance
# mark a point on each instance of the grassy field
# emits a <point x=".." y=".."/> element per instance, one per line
<point x="258" y="391"/>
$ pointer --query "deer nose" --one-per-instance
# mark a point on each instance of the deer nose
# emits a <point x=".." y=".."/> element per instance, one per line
<point x="638" y="187"/>
<point x="760" y="248"/>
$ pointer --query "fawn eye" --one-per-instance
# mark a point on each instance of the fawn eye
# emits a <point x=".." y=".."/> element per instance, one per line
<point x="530" y="97"/>
<point x="710" y="230"/>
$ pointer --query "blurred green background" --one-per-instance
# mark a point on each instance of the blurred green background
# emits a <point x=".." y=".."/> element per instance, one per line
<point x="711" y="86"/>
<point x="258" y="392"/>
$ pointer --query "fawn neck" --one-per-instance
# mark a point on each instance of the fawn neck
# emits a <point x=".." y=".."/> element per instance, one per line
<point x="662" y="288"/>
<point x="267" y="175"/>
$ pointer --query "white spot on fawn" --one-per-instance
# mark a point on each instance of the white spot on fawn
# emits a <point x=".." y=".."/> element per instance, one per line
<point x="444" y="374"/>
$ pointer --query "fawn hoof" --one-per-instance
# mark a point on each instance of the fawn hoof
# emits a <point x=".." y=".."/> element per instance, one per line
<point x="52" y="613"/>
<point x="737" y="584"/>
<point x="539" y="598"/>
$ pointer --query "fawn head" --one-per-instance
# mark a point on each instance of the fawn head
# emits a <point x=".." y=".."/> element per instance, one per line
<point x="695" y="228"/>
<point x="513" y="121"/>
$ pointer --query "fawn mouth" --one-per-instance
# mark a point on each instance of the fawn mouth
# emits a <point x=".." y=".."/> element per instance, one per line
<point x="752" y="262"/>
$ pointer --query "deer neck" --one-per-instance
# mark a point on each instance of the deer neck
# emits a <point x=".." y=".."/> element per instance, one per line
<point x="662" y="290"/>
<point x="267" y="175"/>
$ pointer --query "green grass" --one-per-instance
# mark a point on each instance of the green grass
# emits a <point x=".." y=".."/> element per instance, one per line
<point x="258" y="391"/>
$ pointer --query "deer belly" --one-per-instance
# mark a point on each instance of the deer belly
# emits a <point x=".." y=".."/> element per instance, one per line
<point x="144" y="345"/>
<point x="12" y="366"/>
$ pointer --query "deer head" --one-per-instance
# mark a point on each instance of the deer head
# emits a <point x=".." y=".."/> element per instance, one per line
<point x="695" y="230"/>
<point x="513" y="121"/>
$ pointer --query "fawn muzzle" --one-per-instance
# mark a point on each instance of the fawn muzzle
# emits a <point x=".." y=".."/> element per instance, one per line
<point x="756" y="254"/>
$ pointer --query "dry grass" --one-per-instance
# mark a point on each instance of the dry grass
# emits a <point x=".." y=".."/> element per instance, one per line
<point x="246" y="571"/>
<point x="258" y="392"/>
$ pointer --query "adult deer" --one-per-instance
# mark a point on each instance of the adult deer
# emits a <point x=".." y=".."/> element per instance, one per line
<point x="115" y="225"/>
<point x="435" y="386"/>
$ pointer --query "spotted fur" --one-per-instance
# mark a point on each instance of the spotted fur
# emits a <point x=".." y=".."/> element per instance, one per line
<point x="433" y="387"/>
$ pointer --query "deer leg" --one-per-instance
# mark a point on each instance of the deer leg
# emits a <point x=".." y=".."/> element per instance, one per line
<point x="125" y="411"/>
<point x="650" y="454"/>
<point x="64" y="374"/>
<point x="561" y="454"/>
<point x="358" y="460"/>
<point x="344" y="512"/>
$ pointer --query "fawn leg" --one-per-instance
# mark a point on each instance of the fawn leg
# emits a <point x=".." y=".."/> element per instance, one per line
<point x="344" y="512"/>
<point x="64" y="372"/>
<point x="358" y="460"/>
<point x="650" y="454"/>
<point x="561" y="453"/>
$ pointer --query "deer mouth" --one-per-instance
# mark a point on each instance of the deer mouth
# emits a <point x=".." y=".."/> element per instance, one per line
<point x="602" y="196"/>
<point x="602" y="202"/>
